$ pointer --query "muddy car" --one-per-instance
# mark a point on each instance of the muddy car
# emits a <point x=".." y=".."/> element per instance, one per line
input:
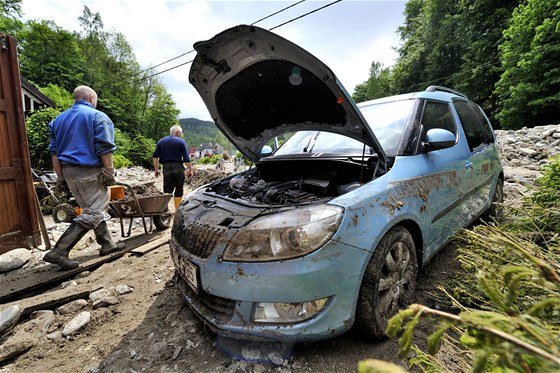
<point x="329" y="229"/>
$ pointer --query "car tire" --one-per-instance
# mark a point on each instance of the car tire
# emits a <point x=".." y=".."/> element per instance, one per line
<point x="63" y="213"/>
<point x="496" y="209"/>
<point x="163" y="221"/>
<point x="388" y="283"/>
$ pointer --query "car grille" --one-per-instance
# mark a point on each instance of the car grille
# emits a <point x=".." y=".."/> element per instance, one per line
<point x="220" y="309"/>
<point x="197" y="239"/>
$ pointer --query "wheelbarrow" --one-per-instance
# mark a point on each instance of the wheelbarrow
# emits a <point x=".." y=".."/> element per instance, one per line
<point x="152" y="208"/>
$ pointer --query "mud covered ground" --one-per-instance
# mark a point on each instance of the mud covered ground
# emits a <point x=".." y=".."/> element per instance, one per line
<point x="152" y="330"/>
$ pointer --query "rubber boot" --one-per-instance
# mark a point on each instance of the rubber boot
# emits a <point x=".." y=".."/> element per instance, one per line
<point x="103" y="237"/>
<point x="177" y="201"/>
<point x="59" y="254"/>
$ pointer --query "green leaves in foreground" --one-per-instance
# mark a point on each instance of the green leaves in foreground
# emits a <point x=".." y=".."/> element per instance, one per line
<point x="516" y="327"/>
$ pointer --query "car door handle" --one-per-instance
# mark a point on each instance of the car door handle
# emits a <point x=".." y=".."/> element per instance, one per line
<point x="468" y="165"/>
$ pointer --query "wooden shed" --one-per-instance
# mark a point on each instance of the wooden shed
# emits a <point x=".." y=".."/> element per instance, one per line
<point x="19" y="213"/>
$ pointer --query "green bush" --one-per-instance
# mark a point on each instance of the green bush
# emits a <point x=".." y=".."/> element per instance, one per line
<point x="120" y="161"/>
<point x="548" y="193"/>
<point x="140" y="151"/>
<point x="37" y="129"/>
<point x="215" y="158"/>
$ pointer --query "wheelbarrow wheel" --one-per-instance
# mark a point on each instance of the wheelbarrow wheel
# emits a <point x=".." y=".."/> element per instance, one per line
<point x="63" y="213"/>
<point x="163" y="221"/>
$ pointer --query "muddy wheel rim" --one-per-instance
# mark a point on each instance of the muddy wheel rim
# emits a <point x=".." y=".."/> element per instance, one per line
<point x="395" y="280"/>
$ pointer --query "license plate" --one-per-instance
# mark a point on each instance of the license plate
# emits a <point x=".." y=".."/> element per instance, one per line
<point x="189" y="272"/>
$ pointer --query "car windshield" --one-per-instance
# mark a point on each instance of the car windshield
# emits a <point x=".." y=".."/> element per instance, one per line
<point x="388" y="121"/>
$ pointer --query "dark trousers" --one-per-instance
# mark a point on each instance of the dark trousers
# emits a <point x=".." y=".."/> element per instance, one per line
<point x="173" y="178"/>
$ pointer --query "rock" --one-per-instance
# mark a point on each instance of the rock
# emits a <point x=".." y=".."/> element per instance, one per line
<point x="105" y="302"/>
<point x="14" y="259"/>
<point x="123" y="289"/>
<point x="76" y="324"/>
<point x="42" y="320"/>
<point x="9" y="317"/>
<point x="54" y="335"/>
<point x="72" y="307"/>
<point x="528" y="151"/>
<point x="17" y="345"/>
<point x="99" y="294"/>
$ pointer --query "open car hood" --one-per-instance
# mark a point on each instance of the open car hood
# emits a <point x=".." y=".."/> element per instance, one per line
<point x="257" y="85"/>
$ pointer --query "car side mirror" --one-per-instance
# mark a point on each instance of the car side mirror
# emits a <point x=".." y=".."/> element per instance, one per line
<point x="438" y="138"/>
<point x="266" y="151"/>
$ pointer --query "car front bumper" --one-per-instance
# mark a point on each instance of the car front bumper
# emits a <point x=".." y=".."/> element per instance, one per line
<point x="228" y="293"/>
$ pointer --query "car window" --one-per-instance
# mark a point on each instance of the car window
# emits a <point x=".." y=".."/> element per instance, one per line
<point x="476" y="126"/>
<point x="321" y="142"/>
<point x="388" y="121"/>
<point x="437" y="115"/>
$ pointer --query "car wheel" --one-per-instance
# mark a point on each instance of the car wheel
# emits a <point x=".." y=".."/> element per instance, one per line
<point x="496" y="209"/>
<point x="63" y="213"/>
<point x="388" y="282"/>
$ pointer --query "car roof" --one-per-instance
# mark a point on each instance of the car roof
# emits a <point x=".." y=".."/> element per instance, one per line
<point x="431" y="93"/>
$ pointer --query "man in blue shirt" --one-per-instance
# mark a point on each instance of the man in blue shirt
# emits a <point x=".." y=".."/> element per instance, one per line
<point x="172" y="152"/>
<point x="82" y="145"/>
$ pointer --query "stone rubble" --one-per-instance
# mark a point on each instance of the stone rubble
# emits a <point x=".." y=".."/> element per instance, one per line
<point x="523" y="153"/>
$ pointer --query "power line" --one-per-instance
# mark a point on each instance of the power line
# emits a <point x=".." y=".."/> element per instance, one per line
<point x="192" y="50"/>
<point x="270" y="29"/>
<point x="305" y="15"/>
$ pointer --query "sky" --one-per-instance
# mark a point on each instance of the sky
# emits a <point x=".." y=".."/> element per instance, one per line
<point x="347" y="36"/>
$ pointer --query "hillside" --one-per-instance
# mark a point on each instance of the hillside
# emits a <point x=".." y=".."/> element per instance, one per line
<point x="198" y="131"/>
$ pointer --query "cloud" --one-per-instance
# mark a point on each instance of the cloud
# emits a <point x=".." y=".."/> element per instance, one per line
<point x="347" y="36"/>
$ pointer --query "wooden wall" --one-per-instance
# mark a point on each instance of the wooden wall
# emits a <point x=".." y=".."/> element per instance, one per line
<point x="19" y="220"/>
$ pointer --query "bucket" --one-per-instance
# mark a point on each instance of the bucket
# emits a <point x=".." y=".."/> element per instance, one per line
<point x="117" y="192"/>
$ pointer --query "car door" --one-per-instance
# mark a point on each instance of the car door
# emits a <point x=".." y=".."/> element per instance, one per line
<point x="483" y="157"/>
<point x="447" y="172"/>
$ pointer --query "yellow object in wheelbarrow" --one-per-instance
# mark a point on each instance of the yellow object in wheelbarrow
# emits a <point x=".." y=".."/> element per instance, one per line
<point x="117" y="192"/>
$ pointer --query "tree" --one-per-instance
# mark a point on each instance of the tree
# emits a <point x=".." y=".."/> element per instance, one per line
<point x="92" y="44"/>
<point x="529" y="89"/>
<point x="10" y="11"/>
<point x="482" y="23"/>
<point x="50" y="55"/>
<point x="161" y="113"/>
<point x="62" y="98"/>
<point x="378" y="85"/>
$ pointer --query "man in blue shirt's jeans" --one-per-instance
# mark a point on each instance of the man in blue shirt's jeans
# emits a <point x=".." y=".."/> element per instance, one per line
<point x="82" y="145"/>
<point x="172" y="152"/>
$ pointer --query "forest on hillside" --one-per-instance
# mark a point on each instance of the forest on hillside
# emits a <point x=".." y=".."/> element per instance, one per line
<point x="504" y="54"/>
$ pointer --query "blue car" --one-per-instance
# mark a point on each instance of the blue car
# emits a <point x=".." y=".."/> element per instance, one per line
<point x="344" y="202"/>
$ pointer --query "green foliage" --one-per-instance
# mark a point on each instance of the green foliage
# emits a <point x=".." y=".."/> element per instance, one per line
<point x="61" y="97"/>
<point x="120" y="161"/>
<point x="215" y="158"/>
<point x="36" y="126"/>
<point x="378" y="85"/>
<point x="50" y="55"/>
<point x="548" y="192"/>
<point x="140" y="151"/>
<point x="528" y="90"/>
<point x="197" y="132"/>
<point x="511" y="284"/>
<point x="10" y="11"/>
<point x="160" y="114"/>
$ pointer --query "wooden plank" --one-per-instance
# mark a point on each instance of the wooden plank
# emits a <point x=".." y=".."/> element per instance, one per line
<point x="51" y="299"/>
<point x="144" y="249"/>
<point x="20" y="285"/>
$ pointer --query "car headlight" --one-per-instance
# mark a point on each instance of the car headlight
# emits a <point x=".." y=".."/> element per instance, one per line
<point x="288" y="312"/>
<point x="285" y="235"/>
